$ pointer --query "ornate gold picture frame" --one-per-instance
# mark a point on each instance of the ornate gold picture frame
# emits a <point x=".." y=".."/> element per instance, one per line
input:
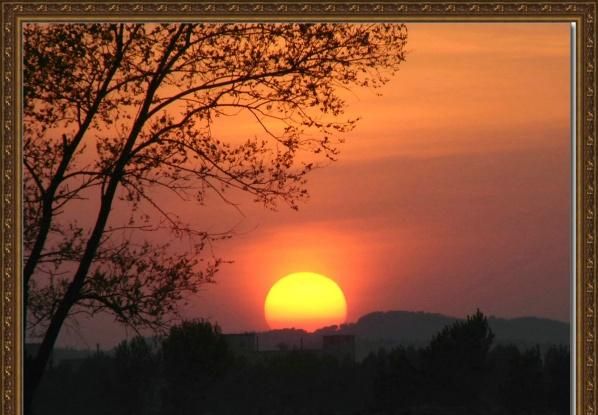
<point x="580" y="14"/>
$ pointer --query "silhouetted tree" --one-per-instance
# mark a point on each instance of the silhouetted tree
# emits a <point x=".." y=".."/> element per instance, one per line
<point x="397" y="383"/>
<point x="194" y="373"/>
<point x="557" y="369"/>
<point x="136" y="376"/>
<point x="455" y="364"/>
<point x="123" y="114"/>
<point x="522" y="393"/>
<point x="88" y="386"/>
<point x="501" y="359"/>
<point x="194" y="355"/>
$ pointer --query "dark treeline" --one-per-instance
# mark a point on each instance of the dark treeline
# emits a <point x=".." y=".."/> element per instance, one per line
<point x="192" y="371"/>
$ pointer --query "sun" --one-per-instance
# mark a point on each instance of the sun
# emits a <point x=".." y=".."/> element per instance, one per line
<point x="305" y="300"/>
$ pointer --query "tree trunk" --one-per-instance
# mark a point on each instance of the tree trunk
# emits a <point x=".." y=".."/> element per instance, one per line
<point x="69" y="151"/>
<point x="34" y="372"/>
<point x="33" y="378"/>
<point x="38" y="366"/>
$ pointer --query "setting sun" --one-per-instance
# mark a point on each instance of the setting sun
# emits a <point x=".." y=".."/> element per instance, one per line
<point x="305" y="300"/>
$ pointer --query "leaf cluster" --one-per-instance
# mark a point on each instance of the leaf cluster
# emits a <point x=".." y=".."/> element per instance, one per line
<point x="122" y="117"/>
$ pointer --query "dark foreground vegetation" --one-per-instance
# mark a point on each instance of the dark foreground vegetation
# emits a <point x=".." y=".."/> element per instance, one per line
<point x="192" y="371"/>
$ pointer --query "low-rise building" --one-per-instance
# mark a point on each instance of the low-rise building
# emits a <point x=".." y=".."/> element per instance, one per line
<point x="242" y="343"/>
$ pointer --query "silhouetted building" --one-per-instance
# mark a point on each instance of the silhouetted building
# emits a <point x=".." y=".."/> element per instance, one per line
<point x="339" y="345"/>
<point x="242" y="343"/>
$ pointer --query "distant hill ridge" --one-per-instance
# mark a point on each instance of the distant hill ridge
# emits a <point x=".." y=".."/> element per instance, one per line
<point x="392" y="328"/>
<point x="389" y="329"/>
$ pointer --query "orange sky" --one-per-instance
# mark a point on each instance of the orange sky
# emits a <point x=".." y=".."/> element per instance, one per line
<point x="452" y="193"/>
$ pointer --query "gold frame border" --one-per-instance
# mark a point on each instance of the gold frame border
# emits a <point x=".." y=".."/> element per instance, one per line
<point x="583" y="14"/>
